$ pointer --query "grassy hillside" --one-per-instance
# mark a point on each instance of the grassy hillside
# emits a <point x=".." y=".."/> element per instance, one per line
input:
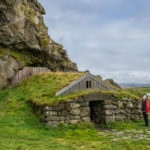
<point x="143" y="90"/>
<point x="20" y="129"/>
<point x="139" y="91"/>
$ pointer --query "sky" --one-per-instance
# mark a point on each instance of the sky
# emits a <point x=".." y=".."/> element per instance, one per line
<point x="110" y="38"/>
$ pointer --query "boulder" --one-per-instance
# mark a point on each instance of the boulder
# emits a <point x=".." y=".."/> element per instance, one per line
<point x="110" y="107"/>
<point x="75" y="111"/>
<point x="120" y="104"/>
<point x="74" y="121"/>
<point x="86" y="119"/>
<point x="52" y="113"/>
<point x="85" y="111"/>
<point x="130" y="105"/>
<point x="52" y="123"/>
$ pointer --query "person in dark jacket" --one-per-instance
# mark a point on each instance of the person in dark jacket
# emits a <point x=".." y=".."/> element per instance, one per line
<point x="145" y="109"/>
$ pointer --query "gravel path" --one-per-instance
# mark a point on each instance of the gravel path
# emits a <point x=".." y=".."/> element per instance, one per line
<point x="133" y="134"/>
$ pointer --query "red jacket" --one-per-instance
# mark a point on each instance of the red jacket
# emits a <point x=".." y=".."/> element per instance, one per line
<point x="145" y="106"/>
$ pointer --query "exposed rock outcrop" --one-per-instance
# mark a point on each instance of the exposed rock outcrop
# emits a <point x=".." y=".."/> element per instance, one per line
<point x="113" y="83"/>
<point x="7" y="69"/>
<point x="24" y="40"/>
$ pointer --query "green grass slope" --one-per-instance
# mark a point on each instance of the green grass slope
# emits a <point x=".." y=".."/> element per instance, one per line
<point x="143" y="90"/>
<point x="20" y="129"/>
<point x="41" y="88"/>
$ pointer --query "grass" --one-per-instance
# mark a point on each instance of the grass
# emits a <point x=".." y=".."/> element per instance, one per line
<point x="41" y="89"/>
<point x="17" y="55"/>
<point x="24" y="57"/>
<point x="143" y="90"/>
<point x="44" y="42"/>
<point x="126" y="125"/>
<point x="112" y="84"/>
<point x="138" y="125"/>
<point x="134" y="91"/>
<point x="20" y="129"/>
<point x="139" y="91"/>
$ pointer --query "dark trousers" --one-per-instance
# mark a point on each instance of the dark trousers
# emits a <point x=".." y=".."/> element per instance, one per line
<point x="145" y="115"/>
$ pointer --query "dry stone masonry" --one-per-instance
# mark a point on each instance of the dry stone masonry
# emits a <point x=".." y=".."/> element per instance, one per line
<point x="95" y="107"/>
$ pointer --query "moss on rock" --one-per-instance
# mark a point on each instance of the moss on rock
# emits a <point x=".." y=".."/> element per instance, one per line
<point x="4" y="52"/>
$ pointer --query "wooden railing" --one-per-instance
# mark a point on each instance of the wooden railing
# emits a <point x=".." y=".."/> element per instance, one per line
<point x="28" y="71"/>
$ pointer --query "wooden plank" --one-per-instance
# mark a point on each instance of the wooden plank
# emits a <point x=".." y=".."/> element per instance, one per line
<point x="27" y="71"/>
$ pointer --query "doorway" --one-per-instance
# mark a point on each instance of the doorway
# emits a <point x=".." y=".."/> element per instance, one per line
<point x="96" y="112"/>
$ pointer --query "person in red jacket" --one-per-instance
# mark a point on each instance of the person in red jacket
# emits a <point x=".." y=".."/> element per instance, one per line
<point x="145" y="109"/>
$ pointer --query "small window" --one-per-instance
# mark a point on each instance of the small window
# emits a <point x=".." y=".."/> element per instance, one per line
<point x="88" y="84"/>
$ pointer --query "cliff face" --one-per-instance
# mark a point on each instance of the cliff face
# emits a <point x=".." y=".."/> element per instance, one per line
<point x="24" y="40"/>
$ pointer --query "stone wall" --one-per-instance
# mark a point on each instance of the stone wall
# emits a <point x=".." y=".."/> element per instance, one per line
<point x="68" y="112"/>
<point x="116" y="110"/>
<point x="93" y="107"/>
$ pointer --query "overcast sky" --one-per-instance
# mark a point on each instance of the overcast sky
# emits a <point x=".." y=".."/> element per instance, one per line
<point x="107" y="37"/>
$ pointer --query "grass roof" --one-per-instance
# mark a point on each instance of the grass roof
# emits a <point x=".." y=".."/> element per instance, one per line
<point x="40" y="89"/>
<point x="43" y="86"/>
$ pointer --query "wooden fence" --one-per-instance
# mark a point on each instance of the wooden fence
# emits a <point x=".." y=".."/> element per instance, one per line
<point x="28" y="71"/>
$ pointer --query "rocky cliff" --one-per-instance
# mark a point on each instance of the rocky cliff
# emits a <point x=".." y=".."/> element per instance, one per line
<point x="24" y="40"/>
